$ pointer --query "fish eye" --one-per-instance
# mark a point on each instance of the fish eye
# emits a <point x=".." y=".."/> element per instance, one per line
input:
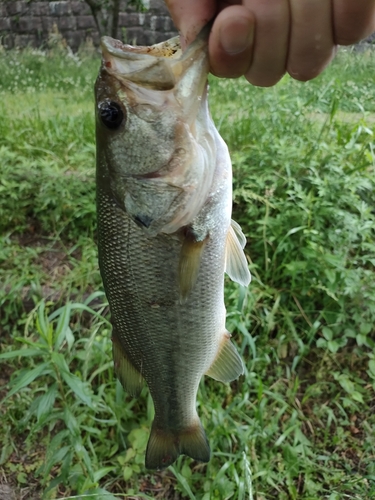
<point x="111" y="114"/>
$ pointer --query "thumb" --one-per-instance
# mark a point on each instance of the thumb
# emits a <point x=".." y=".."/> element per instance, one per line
<point x="190" y="16"/>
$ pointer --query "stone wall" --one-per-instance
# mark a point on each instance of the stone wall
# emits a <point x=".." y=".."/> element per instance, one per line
<point x="30" y="22"/>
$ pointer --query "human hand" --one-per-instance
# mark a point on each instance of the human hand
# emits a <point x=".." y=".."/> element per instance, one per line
<point x="264" y="39"/>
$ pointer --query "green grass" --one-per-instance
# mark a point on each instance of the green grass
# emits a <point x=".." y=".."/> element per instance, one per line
<point x="300" y="424"/>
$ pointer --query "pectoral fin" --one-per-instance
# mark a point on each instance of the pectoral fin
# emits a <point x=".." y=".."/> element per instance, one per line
<point x="130" y="378"/>
<point x="236" y="263"/>
<point x="227" y="365"/>
<point x="190" y="261"/>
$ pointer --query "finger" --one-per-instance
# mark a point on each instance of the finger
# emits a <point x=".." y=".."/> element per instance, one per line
<point x="271" y="41"/>
<point x="230" y="42"/>
<point x="353" y="20"/>
<point x="311" y="45"/>
<point x="190" y="16"/>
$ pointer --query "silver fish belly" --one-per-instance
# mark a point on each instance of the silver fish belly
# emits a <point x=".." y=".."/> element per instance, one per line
<point x="165" y="234"/>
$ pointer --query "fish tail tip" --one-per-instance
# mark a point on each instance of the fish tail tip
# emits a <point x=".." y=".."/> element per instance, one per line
<point x="164" y="447"/>
<point x="194" y="443"/>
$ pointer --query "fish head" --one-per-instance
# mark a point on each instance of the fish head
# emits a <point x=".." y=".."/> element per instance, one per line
<point x="155" y="137"/>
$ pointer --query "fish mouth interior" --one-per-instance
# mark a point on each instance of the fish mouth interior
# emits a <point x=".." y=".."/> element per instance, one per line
<point x="170" y="49"/>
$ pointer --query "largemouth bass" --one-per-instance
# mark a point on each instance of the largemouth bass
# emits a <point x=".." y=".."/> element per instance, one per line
<point x="164" y="199"/>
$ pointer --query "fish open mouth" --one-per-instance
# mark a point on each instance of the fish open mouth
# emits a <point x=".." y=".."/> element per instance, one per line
<point x="157" y="66"/>
<point x="169" y="48"/>
<point x="148" y="66"/>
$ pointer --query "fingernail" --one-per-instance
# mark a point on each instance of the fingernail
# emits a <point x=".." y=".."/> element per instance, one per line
<point x="237" y="37"/>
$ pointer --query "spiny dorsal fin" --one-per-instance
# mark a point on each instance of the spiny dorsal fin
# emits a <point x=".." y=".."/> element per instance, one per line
<point x="227" y="365"/>
<point x="236" y="263"/>
<point x="190" y="261"/>
<point x="130" y="378"/>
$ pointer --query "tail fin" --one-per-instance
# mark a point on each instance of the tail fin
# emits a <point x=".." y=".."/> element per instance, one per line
<point x="164" y="446"/>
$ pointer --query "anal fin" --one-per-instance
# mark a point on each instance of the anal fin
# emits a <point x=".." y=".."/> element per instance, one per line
<point x="190" y="260"/>
<point x="236" y="264"/>
<point x="165" y="445"/>
<point x="227" y="365"/>
<point x="130" y="378"/>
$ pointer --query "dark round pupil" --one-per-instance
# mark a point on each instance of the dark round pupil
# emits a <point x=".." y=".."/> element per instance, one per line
<point x="111" y="114"/>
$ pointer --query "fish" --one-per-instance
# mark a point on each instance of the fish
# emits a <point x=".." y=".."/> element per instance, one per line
<point x="165" y="234"/>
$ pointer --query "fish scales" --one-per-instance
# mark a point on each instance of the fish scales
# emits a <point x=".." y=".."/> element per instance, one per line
<point x="162" y="255"/>
<point x="128" y="257"/>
